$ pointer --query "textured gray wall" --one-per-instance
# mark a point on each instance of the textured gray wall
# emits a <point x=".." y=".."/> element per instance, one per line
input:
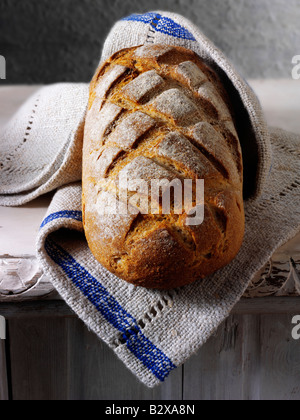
<point x="46" y="41"/>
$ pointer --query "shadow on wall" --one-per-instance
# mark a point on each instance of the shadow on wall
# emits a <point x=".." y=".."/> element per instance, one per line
<point x="60" y="40"/>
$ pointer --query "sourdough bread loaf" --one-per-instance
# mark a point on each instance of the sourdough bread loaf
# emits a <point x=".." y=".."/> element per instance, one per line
<point x="158" y="112"/>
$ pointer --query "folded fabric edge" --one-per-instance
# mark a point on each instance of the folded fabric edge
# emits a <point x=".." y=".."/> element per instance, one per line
<point x="143" y="358"/>
<point x="54" y="176"/>
<point x="132" y="346"/>
<point x="174" y="29"/>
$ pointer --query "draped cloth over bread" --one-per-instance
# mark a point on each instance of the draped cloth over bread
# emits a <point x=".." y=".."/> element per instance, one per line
<point x="152" y="332"/>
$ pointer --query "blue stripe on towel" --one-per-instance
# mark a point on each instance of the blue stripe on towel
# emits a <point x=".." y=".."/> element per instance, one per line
<point x="151" y="356"/>
<point x="162" y="24"/>
<point x="65" y="214"/>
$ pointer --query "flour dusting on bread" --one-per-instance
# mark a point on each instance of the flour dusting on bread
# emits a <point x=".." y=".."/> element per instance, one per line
<point x="159" y="114"/>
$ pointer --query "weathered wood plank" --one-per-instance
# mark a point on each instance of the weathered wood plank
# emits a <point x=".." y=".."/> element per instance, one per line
<point x="95" y="372"/>
<point x="38" y="355"/>
<point x="225" y="368"/>
<point x="268" y="305"/>
<point x="215" y="372"/>
<point x="280" y="359"/>
<point x="281" y="275"/>
<point x="58" y="308"/>
<point x="252" y="357"/>
<point x="237" y="363"/>
<point x="36" y="309"/>
<point x="59" y="359"/>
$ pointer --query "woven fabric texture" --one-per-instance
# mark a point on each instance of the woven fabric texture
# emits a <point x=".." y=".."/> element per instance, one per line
<point x="153" y="332"/>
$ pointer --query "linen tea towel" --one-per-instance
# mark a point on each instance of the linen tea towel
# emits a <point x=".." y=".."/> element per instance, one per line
<point x="152" y="332"/>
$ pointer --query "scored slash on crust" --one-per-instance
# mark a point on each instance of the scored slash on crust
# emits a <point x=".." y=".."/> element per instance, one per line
<point x="157" y="112"/>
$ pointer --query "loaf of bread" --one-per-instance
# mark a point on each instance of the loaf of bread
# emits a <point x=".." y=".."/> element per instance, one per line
<point x="157" y="112"/>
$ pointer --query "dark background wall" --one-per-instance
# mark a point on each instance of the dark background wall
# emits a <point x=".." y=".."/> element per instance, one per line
<point x="46" y="41"/>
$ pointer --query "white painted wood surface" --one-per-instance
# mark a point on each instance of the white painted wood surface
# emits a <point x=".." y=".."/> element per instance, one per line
<point x="280" y="102"/>
<point x="22" y="279"/>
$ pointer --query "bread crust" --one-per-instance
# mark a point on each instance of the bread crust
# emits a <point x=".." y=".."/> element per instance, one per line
<point x="159" y="112"/>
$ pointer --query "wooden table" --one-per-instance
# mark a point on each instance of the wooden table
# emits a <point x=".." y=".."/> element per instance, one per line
<point x="49" y="353"/>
